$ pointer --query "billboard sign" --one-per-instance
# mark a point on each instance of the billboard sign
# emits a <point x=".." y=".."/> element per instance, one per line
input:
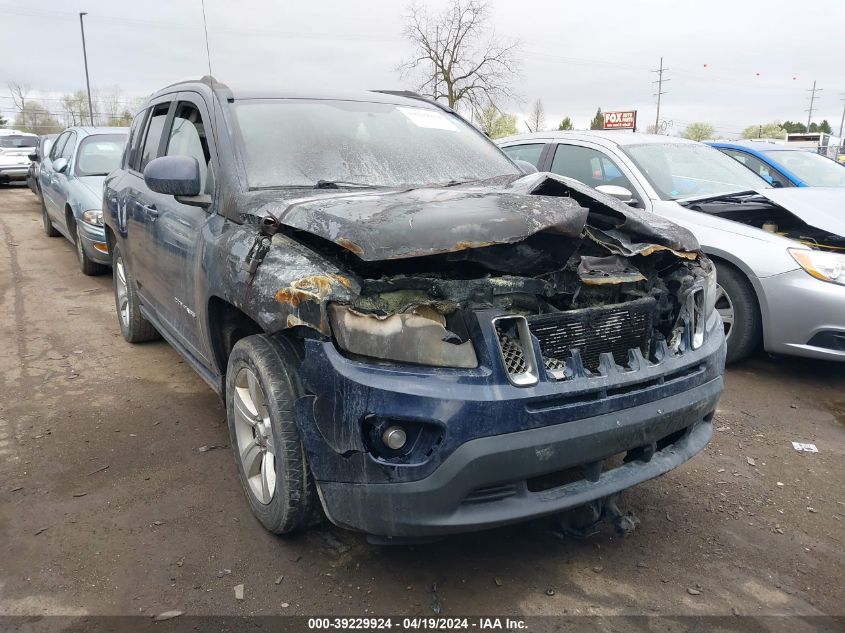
<point x="626" y="120"/>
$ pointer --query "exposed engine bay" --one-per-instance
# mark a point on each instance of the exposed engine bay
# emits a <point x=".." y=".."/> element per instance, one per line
<point x="759" y="211"/>
<point x="541" y="256"/>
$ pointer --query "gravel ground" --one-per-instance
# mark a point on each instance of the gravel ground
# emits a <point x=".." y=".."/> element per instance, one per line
<point x="108" y="505"/>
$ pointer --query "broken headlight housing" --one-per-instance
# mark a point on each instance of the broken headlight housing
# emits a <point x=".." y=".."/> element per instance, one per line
<point x="418" y="336"/>
<point x="822" y="265"/>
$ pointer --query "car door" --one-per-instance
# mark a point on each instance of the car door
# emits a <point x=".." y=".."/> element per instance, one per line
<point x="47" y="173"/>
<point x="59" y="183"/>
<point x="759" y="167"/>
<point x="593" y="166"/>
<point x="141" y="207"/>
<point x="178" y="229"/>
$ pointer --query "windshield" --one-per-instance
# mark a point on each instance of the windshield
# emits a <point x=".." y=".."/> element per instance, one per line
<point x="14" y="140"/>
<point x="297" y="143"/>
<point x="815" y="170"/>
<point x="99" y="154"/>
<point x="691" y="170"/>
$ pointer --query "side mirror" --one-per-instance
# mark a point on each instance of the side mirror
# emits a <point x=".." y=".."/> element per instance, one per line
<point x="526" y="167"/>
<point x="33" y="157"/>
<point x="620" y="193"/>
<point x="177" y="176"/>
<point x="60" y="165"/>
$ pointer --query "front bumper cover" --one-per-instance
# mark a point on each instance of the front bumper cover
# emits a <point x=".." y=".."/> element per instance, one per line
<point x="494" y="434"/>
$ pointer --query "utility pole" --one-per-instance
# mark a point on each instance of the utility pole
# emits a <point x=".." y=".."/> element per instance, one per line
<point x="659" y="93"/>
<point x="812" y="92"/>
<point x="842" y="121"/>
<point x="85" y="58"/>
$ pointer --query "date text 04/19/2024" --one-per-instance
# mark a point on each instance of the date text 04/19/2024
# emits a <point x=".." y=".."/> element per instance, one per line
<point x="417" y="624"/>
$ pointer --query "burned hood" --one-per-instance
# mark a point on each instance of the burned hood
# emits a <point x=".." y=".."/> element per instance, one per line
<point x="396" y="224"/>
<point x="821" y="207"/>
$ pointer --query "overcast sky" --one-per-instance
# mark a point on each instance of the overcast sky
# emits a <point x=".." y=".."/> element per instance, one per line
<point x="731" y="63"/>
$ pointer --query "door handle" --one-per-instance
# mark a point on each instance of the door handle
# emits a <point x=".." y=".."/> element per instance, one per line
<point x="150" y="210"/>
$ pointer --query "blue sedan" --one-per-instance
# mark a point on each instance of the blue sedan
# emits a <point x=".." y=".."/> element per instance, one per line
<point x="785" y="166"/>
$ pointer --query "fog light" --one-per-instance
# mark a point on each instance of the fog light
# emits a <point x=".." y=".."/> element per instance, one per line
<point x="394" y="437"/>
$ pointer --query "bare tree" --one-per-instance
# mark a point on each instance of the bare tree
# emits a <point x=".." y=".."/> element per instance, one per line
<point x="75" y="107"/>
<point x="537" y="121"/>
<point x="19" y="93"/>
<point x="455" y="57"/>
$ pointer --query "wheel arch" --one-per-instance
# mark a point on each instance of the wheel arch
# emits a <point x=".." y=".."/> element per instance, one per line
<point x="718" y="255"/>
<point x="227" y="325"/>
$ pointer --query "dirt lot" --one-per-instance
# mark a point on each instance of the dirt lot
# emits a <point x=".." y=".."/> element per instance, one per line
<point x="107" y="505"/>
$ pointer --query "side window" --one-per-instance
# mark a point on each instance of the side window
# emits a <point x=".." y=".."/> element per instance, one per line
<point x="67" y="150"/>
<point x="589" y="166"/>
<point x="153" y="136"/>
<point x="130" y="152"/>
<point x="529" y="152"/>
<point x="56" y="150"/>
<point x="765" y="171"/>
<point x="188" y="138"/>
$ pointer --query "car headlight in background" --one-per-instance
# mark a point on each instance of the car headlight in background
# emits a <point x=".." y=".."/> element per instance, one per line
<point x="93" y="217"/>
<point x="822" y="265"/>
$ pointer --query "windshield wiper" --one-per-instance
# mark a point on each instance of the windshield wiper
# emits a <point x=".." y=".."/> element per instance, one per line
<point x="337" y="184"/>
<point x="727" y="197"/>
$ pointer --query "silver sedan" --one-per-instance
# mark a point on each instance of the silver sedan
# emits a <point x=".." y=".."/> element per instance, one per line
<point x="780" y="253"/>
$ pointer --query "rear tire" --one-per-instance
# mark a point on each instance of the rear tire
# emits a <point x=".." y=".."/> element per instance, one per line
<point x="49" y="229"/>
<point x="134" y="327"/>
<point x="737" y="295"/>
<point x="262" y="385"/>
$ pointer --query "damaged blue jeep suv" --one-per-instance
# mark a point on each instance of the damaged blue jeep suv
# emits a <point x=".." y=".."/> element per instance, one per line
<point x="410" y="334"/>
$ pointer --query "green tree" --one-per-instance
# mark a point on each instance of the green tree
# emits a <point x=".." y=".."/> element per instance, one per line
<point x="495" y="123"/>
<point x="698" y="131"/>
<point x="766" y="130"/>
<point x="566" y="124"/>
<point x="824" y="126"/>
<point x="598" y="121"/>
<point x="794" y="127"/>
<point x="814" y="127"/>
<point x="2" y="121"/>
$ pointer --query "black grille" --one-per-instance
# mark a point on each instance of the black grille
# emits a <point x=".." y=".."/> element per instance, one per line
<point x="614" y="328"/>
<point x="512" y="354"/>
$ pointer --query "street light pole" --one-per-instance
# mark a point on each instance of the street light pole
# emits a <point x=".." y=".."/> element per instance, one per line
<point x="85" y="57"/>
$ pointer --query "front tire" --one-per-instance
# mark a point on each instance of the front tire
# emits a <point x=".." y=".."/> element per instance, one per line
<point x="262" y="385"/>
<point x="736" y="302"/>
<point x="134" y="327"/>
<point x="87" y="266"/>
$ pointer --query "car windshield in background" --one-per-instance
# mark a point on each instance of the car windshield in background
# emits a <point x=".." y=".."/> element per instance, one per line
<point x="297" y="143"/>
<point x="815" y="170"/>
<point x="99" y="154"/>
<point x="13" y="141"/>
<point x="688" y="170"/>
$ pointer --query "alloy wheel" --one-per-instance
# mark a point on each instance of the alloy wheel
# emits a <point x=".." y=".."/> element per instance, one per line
<point x="254" y="436"/>
<point x="122" y="289"/>
<point x="725" y="308"/>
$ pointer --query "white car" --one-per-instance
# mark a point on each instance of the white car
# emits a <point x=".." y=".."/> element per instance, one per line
<point x="15" y="148"/>
<point x="779" y="252"/>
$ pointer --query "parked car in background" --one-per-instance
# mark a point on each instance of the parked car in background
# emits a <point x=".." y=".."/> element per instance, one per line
<point x="407" y="330"/>
<point x="41" y="150"/>
<point x="71" y="182"/>
<point x="784" y="166"/>
<point x="780" y="252"/>
<point x="15" y="148"/>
